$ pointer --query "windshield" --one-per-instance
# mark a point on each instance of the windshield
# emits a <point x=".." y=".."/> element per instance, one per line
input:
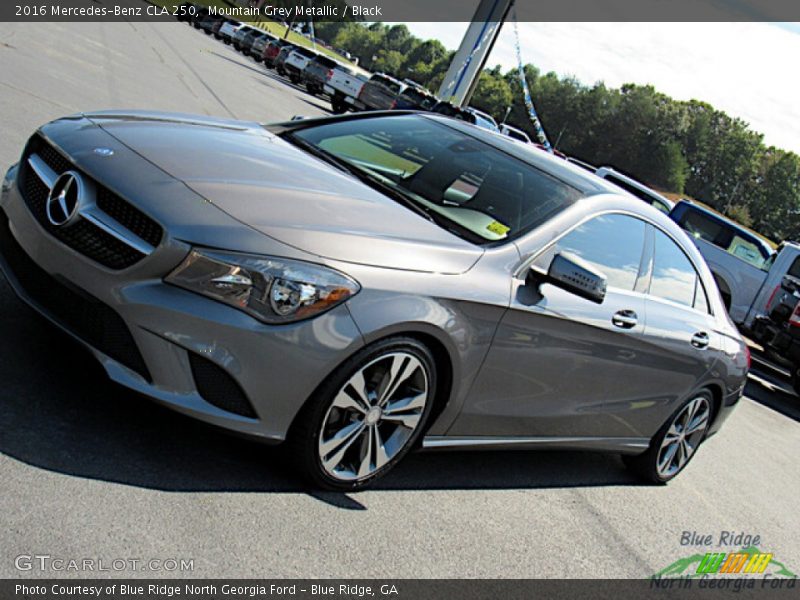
<point x="464" y="184"/>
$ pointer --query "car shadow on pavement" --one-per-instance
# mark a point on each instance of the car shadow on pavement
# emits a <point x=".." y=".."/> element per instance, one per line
<point x="61" y="413"/>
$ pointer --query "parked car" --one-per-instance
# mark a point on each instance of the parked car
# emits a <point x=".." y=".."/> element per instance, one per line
<point x="746" y="268"/>
<point x="249" y="40"/>
<point x="514" y="133"/>
<point x="209" y="22"/>
<point x="343" y="87"/>
<point x="272" y="50"/>
<point x="381" y="92"/>
<point x="259" y="45"/>
<point x="468" y="114"/>
<point x="415" y="97"/>
<point x="198" y="15"/>
<point x="296" y="62"/>
<point x="280" y="58"/>
<point x="638" y="189"/>
<point x="582" y="164"/>
<point x="240" y="34"/>
<point x="228" y="30"/>
<point x="453" y="289"/>
<point x="317" y="72"/>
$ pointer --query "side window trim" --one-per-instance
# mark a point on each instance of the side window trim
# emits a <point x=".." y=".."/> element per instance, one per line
<point x="698" y="280"/>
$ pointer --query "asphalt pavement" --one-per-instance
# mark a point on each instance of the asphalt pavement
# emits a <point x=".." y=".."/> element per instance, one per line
<point x="90" y="470"/>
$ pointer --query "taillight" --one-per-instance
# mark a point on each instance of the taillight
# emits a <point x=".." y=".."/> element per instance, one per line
<point x="330" y="73"/>
<point x="794" y="320"/>
<point x="747" y="355"/>
<point x="393" y="105"/>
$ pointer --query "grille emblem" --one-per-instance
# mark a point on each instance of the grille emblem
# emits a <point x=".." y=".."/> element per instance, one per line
<point x="64" y="200"/>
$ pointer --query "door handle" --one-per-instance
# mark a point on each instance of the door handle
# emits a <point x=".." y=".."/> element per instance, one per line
<point x="700" y="340"/>
<point x="626" y="319"/>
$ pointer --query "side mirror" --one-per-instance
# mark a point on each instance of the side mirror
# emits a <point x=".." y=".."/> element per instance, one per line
<point x="572" y="274"/>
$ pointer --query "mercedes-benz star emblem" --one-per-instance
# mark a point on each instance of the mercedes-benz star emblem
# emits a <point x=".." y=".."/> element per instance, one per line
<point x="64" y="199"/>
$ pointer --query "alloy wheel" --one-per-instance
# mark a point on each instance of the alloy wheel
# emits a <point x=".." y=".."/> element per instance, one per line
<point x="683" y="437"/>
<point x="373" y="416"/>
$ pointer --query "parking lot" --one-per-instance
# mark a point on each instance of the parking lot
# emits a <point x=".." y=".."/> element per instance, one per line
<point x="89" y="469"/>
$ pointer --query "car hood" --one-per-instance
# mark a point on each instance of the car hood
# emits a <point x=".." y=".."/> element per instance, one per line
<point x="270" y="185"/>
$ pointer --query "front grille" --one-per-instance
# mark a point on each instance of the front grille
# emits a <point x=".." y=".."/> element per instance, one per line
<point x="217" y="387"/>
<point x="84" y="315"/>
<point x="83" y="236"/>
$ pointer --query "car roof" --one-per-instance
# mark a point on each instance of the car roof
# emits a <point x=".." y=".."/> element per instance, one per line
<point x="637" y="184"/>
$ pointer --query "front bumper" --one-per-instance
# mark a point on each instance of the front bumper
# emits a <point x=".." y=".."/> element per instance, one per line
<point x="170" y="330"/>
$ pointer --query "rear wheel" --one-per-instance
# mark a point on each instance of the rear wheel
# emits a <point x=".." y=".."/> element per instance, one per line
<point x="366" y="417"/>
<point x="676" y="442"/>
<point x="311" y="89"/>
<point x="338" y="106"/>
<point x="294" y="79"/>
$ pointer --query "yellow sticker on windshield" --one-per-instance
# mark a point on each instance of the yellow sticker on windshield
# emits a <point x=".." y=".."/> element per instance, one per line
<point x="498" y="228"/>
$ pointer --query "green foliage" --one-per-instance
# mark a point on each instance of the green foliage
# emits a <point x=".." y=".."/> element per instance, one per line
<point x="684" y="147"/>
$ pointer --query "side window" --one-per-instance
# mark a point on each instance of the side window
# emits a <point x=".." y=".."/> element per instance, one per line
<point x="674" y="277"/>
<point x="612" y="244"/>
<point x="701" y="226"/>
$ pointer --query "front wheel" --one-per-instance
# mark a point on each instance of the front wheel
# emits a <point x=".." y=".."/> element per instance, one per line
<point x="366" y="416"/>
<point x="676" y="442"/>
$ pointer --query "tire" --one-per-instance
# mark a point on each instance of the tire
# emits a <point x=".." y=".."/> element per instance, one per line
<point x="311" y="89"/>
<point x="344" y="441"/>
<point x="294" y="79"/>
<point x="338" y="106"/>
<point x="281" y="72"/>
<point x="647" y="465"/>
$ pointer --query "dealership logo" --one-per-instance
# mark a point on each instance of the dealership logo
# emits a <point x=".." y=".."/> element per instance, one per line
<point x="64" y="200"/>
<point x="747" y="561"/>
<point x="734" y="562"/>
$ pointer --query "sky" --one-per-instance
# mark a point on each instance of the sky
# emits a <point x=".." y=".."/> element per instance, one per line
<point x="746" y="69"/>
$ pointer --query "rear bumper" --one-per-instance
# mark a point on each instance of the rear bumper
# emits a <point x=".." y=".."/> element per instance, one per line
<point x="165" y="342"/>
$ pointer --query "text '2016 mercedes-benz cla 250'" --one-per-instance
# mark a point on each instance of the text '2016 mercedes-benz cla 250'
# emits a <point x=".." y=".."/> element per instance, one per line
<point x="362" y="285"/>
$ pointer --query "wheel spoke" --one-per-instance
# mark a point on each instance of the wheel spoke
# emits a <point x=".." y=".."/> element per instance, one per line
<point x="409" y="421"/>
<point x="406" y="404"/>
<point x="366" y="449"/>
<point x="680" y="458"/>
<point x="401" y="369"/>
<point x="359" y="386"/>
<point x="381" y="457"/>
<point x="687" y="451"/>
<point x="668" y="455"/>
<point x="345" y="401"/>
<point x="698" y="424"/>
<point x="339" y="443"/>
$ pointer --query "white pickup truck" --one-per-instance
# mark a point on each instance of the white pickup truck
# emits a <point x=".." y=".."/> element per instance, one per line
<point x="343" y="86"/>
<point x="747" y="270"/>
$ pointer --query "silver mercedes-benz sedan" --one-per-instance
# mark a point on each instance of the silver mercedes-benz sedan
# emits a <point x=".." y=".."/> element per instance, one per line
<point x="359" y="286"/>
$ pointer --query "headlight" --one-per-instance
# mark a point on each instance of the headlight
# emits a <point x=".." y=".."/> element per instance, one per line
<point x="274" y="290"/>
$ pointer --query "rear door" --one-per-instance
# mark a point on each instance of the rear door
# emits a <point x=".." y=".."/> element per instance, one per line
<point x="682" y="344"/>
